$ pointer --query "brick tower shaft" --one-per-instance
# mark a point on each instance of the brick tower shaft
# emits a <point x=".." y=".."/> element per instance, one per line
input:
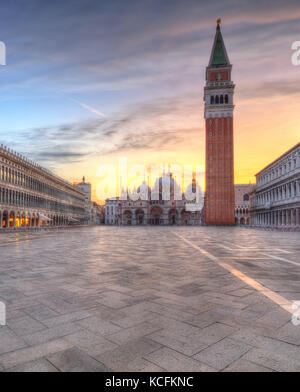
<point x="218" y="97"/>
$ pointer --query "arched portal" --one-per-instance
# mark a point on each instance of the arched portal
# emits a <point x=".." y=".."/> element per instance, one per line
<point x="127" y="217"/>
<point x="23" y="220"/>
<point x="11" y="219"/>
<point x="173" y="214"/>
<point x="184" y="217"/>
<point x="156" y="216"/>
<point x="18" y="220"/>
<point x="242" y="221"/>
<point x="139" y="214"/>
<point x="27" y="220"/>
<point x="5" y="219"/>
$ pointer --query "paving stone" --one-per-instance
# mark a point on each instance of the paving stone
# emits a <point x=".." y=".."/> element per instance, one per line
<point x="222" y="353"/>
<point x="138" y="331"/>
<point x="40" y="312"/>
<point x="51" y="334"/>
<point x="273" y="360"/>
<point x="25" y="326"/>
<point x="38" y="366"/>
<point x="9" y="341"/>
<point x="241" y="292"/>
<point x="256" y="337"/>
<point x="91" y="343"/>
<point x="173" y="361"/>
<point x="214" y="333"/>
<point x="131" y="321"/>
<point x="244" y="366"/>
<point x="141" y="365"/>
<point x="276" y="318"/>
<point x="289" y="333"/>
<point x="98" y="326"/>
<point x="75" y="360"/>
<point x="178" y="327"/>
<point x="188" y="345"/>
<point x="32" y="353"/>
<point x="119" y="358"/>
<point x="52" y="322"/>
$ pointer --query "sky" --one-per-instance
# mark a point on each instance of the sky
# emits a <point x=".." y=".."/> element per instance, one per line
<point x="89" y="81"/>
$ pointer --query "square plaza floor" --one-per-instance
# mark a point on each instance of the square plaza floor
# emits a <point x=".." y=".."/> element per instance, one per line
<point x="150" y="299"/>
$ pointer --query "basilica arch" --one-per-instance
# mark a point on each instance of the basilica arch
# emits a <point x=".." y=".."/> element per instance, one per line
<point x="139" y="216"/>
<point x="173" y="216"/>
<point x="127" y="217"/>
<point x="184" y="217"/>
<point x="156" y="215"/>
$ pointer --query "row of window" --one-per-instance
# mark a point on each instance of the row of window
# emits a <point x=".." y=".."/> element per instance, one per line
<point x="277" y="218"/>
<point x="16" y="198"/>
<point x="15" y="177"/>
<point x="280" y="193"/>
<point x="239" y="211"/>
<point x="279" y="171"/>
<point x="219" y="99"/>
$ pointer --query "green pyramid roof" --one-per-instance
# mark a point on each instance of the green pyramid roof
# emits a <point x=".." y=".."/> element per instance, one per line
<point x="218" y="54"/>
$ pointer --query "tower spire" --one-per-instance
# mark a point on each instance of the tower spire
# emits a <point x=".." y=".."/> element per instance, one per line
<point x="219" y="55"/>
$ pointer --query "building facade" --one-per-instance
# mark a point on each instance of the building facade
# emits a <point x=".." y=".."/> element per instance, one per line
<point x="92" y="210"/>
<point x="242" y="203"/>
<point x="112" y="211"/>
<point x="31" y="196"/>
<point x="276" y="200"/>
<point x="157" y="206"/>
<point x="218" y="97"/>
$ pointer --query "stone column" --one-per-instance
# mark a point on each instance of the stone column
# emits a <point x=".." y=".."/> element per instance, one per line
<point x="293" y="217"/>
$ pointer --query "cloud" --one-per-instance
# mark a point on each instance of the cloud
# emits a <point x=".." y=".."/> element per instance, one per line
<point x="89" y="108"/>
<point x="155" y="125"/>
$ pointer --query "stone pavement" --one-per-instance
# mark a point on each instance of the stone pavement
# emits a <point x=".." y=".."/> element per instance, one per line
<point x="149" y="299"/>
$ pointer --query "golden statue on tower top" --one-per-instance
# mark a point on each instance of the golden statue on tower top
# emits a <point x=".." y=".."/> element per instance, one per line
<point x="219" y="21"/>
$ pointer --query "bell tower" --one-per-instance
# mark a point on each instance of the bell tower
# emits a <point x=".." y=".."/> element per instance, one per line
<point x="218" y="97"/>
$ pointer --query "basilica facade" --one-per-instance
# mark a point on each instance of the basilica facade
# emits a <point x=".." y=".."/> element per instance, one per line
<point x="163" y="205"/>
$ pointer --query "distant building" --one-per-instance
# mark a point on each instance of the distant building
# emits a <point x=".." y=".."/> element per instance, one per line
<point x="276" y="200"/>
<point x="92" y="212"/>
<point x="112" y="211"/>
<point x="242" y="203"/>
<point x="86" y="187"/>
<point x="154" y="207"/>
<point x="31" y="196"/>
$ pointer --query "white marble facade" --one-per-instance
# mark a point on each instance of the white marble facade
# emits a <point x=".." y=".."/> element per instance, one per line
<point x="276" y="201"/>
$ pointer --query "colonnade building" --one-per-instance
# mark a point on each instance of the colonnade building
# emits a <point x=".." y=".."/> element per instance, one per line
<point x="31" y="196"/>
<point x="276" y="200"/>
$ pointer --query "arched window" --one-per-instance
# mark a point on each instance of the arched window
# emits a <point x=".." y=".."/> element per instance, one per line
<point x="246" y="197"/>
<point x="212" y="100"/>
<point x="217" y="99"/>
<point x="226" y="98"/>
<point x="221" y="99"/>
